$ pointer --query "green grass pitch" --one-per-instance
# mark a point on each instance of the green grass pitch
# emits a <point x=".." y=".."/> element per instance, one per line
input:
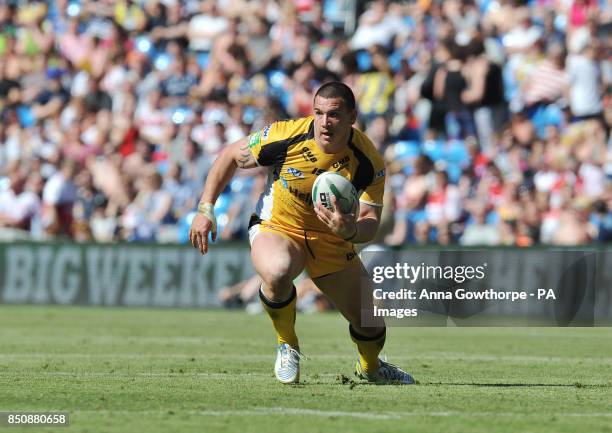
<point x="155" y="370"/>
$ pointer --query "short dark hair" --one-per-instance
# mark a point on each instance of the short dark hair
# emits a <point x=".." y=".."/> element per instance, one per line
<point x="336" y="89"/>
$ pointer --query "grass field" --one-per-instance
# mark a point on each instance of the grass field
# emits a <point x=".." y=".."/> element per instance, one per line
<point x="141" y="370"/>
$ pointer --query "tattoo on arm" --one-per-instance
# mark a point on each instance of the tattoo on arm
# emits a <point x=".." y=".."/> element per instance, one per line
<point x="245" y="159"/>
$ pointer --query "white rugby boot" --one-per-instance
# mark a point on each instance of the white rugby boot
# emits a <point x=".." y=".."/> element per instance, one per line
<point x="387" y="374"/>
<point x="287" y="366"/>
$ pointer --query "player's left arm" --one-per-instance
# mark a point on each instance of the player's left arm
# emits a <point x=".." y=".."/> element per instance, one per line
<point x="367" y="223"/>
<point x="370" y="206"/>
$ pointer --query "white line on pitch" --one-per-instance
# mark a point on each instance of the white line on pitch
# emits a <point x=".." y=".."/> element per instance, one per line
<point x="257" y="357"/>
<point x="144" y="374"/>
<point x="325" y="413"/>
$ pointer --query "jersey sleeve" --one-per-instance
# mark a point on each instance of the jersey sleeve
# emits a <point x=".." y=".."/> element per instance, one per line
<point x="263" y="143"/>
<point x="373" y="194"/>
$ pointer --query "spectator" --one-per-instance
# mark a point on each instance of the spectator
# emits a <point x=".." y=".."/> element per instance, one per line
<point x="374" y="89"/>
<point x="300" y="104"/>
<point x="88" y="199"/>
<point x="194" y="166"/>
<point x="59" y="196"/>
<point x="448" y="85"/>
<point x="377" y="26"/>
<point x="484" y="94"/>
<point x="581" y="11"/>
<point x="176" y="87"/>
<point x="603" y="221"/>
<point x="548" y="82"/>
<point x="205" y="26"/>
<point x="74" y="45"/>
<point x="478" y="232"/>
<point x="19" y="203"/>
<point x="443" y="208"/>
<point x="97" y="99"/>
<point x="574" y="227"/>
<point x="410" y="202"/>
<point x="130" y="15"/>
<point x="152" y="120"/>
<point x="258" y="43"/>
<point x="585" y="93"/>
<point x="51" y="98"/>
<point x="182" y="194"/>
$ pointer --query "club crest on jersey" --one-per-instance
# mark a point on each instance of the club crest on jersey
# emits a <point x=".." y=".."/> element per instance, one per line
<point x="265" y="132"/>
<point x="295" y="172"/>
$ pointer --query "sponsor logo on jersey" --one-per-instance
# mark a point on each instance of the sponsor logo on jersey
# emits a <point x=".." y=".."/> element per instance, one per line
<point x="295" y="172"/>
<point x="317" y="171"/>
<point x="255" y="139"/>
<point x="341" y="163"/>
<point x="381" y="173"/>
<point x="307" y="154"/>
<point x="304" y="196"/>
<point x="265" y="132"/>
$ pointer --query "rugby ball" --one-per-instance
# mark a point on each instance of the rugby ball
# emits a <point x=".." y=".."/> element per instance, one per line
<point x="331" y="183"/>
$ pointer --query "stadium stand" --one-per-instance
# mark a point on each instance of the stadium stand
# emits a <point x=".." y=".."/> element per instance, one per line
<point x="112" y="112"/>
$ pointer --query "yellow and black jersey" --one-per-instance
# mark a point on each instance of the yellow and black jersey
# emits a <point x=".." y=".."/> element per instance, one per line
<point x="289" y="150"/>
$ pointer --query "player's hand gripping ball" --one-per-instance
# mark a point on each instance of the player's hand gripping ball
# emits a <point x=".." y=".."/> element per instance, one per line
<point x="330" y="183"/>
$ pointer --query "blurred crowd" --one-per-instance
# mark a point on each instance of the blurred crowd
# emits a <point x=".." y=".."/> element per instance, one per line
<point x="493" y="115"/>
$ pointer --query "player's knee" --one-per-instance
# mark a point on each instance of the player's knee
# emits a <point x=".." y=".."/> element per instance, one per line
<point x="277" y="275"/>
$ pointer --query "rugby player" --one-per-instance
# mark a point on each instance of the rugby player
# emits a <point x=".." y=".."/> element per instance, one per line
<point x="287" y="233"/>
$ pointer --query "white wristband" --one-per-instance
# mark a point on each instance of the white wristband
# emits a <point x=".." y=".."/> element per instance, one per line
<point x="208" y="210"/>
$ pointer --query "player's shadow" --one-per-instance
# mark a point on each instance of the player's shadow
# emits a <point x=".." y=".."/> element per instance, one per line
<point x="352" y="384"/>
<point x="517" y="385"/>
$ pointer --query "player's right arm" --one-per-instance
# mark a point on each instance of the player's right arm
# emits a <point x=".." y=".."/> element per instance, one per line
<point x="236" y="155"/>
